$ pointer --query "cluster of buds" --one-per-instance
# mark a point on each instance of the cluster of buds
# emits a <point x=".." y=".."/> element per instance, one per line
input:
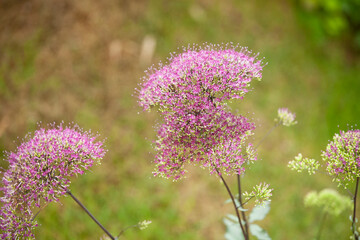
<point x="39" y="172"/>
<point x="261" y="192"/>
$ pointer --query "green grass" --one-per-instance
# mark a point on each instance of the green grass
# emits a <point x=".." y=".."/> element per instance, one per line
<point x="318" y="82"/>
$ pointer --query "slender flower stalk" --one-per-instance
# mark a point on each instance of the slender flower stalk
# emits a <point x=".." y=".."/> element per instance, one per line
<point x="244" y="232"/>
<point x="321" y="225"/>
<point x="141" y="225"/>
<point x="267" y="134"/>
<point x="353" y="226"/>
<point x="330" y="202"/>
<point x="90" y="215"/>
<point x="284" y="117"/>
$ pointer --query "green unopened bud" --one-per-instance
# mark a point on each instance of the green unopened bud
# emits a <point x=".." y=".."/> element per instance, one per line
<point x="260" y="192"/>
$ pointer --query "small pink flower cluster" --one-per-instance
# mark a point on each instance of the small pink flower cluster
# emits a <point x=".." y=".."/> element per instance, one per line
<point x="39" y="172"/>
<point x="342" y="156"/>
<point x="191" y="93"/>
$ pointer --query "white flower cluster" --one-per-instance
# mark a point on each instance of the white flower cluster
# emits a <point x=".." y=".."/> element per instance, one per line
<point x="285" y="117"/>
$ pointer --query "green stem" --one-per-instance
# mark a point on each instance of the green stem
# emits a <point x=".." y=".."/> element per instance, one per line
<point x="267" y="134"/>
<point x="321" y="224"/>
<point x="41" y="208"/>
<point x="90" y="215"/>
<point x="248" y="200"/>
<point x="356" y="235"/>
<point x="122" y="231"/>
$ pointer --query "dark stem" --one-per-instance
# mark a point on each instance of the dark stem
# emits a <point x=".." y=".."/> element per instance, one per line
<point x="92" y="217"/>
<point x="241" y="205"/>
<point x="248" y="200"/>
<point x="321" y="224"/>
<point x="234" y="203"/>
<point x="33" y="218"/>
<point x="356" y="235"/>
<point x="267" y="134"/>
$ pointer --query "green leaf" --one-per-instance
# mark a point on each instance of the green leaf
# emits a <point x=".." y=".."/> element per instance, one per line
<point x="259" y="212"/>
<point x="233" y="218"/>
<point x="243" y="209"/>
<point x="233" y="231"/>
<point x="258" y="232"/>
<point x="237" y="204"/>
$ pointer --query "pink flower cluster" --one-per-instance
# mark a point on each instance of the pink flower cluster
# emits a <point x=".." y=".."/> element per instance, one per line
<point x="39" y="172"/>
<point x="191" y="92"/>
<point x="342" y="156"/>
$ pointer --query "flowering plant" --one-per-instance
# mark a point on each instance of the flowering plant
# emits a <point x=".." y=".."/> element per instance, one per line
<point x="191" y="92"/>
<point x="342" y="157"/>
<point x="40" y="172"/>
<point x="342" y="164"/>
<point x="330" y="202"/>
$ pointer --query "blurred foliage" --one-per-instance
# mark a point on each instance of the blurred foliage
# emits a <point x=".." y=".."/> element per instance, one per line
<point x="334" y="18"/>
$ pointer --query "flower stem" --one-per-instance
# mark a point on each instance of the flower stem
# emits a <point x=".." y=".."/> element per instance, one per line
<point x="234" y="203"/>
<point x="321" y="224"/>
<point x="356" y="234"/>
<point x="92" y="217"/>
<point x="122" y="231"/>
<point x="41" y="208"/>
<point x="267" y="134"/>
<point x="241" y="205"/>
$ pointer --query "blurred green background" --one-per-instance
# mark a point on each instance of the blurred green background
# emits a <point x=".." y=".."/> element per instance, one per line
<point x="80" y="61"/>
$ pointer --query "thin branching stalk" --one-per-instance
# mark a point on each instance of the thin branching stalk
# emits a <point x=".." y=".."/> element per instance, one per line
<point x="248" y="200"/>
<point x="267" y="134"/>
<point x="33" y="218"/>
<point x="122" y="231"/>
<point x="356" y="235"/>
<point x="234" y="203"/>
<point x="241" y="205"/>
<point x="90" y="215"/>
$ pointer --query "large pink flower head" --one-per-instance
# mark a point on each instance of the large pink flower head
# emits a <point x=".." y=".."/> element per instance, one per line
<point x="40" y="169"/>
<point x="200" y="77"/>
<point x="342" y="156"/>
<point x="191" y="92"/>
